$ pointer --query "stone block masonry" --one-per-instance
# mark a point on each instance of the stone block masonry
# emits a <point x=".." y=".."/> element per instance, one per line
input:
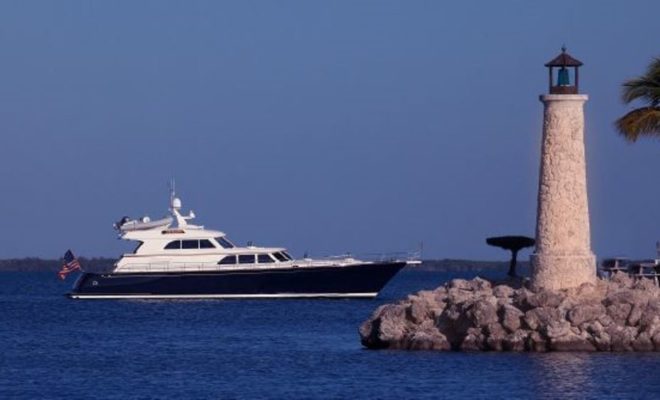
<point x="563" y="258"/>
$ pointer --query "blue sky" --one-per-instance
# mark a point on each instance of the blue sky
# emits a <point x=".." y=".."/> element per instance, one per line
<point x="325" y="127"/>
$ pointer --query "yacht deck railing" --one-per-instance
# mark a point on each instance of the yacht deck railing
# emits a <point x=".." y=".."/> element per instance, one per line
<point x="201" y="266"/>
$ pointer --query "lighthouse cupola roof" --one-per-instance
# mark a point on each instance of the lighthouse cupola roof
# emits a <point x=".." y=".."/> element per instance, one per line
<point x="564" y="62"/>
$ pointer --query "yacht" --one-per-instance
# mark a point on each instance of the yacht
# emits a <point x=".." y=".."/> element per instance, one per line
<point x="174" y="258"/>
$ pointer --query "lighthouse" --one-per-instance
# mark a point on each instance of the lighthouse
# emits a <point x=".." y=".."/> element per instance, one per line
<point x="563" y="258"/>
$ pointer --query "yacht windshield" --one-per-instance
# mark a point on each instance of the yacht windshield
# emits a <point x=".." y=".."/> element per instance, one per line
<point x="135" y="250"/>
<point x="224" y="243"/>
<point x="280" y="257"/>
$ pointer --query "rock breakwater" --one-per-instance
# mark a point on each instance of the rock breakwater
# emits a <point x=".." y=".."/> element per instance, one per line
<point x="477" y="315"/>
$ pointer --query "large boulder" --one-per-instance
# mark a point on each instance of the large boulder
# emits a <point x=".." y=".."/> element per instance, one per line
<point x="556" y="329"/>
<point x="621" y="280"/>
<point x="457" y="295"/>
<point x="649" y="321"/>
<point x="495" y="337"/>
<point x="482" y="313"/>
<point x="572" y="341"/>
<point x="386" y="329"/>
<point x="598" y="336"/>
<point x="454" y="324"/>
<point x="619" y="313"/>
<point x="418" y="311"/>
<point x="582" y="313"/>
<point x="544" y="298"/>
<point x="537" y="319"/>
<point x="503" y="291"/>
<point x="476" y="285"/>
<point x="643" y="342"/>
<point x="427" y="337"/>
<point x="536" y="342"/>
<point x="622" y="337"/>
<point x="511" y="317"/>
<point x="656" y="341"/>
<point x="515" y="341"/>
<point x="474" y="340"/>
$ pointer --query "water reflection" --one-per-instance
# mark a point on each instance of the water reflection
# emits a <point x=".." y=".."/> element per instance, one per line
<point x="556" y="374"/>
<point x="588" y="375"/>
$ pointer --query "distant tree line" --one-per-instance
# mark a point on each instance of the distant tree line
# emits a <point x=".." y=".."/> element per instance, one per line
<point x="453" y="265"/>
<point x="39" y="264"/>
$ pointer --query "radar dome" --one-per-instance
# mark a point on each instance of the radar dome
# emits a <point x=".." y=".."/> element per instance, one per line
<point x="176" y="203"/>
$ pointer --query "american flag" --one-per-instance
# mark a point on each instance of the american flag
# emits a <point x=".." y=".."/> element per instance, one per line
<point x="70" y="264"/>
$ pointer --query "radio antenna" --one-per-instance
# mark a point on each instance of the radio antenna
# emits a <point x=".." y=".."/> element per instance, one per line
<point x="172" y="192"/>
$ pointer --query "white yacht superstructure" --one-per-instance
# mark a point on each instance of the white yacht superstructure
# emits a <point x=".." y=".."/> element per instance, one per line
<point x="175" y="258"/>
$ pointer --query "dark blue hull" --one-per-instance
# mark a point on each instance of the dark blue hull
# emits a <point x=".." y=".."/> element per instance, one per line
<point x="361" y="280"/>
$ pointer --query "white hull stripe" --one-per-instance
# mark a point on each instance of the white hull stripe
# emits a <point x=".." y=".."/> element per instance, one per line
<point x="220" y="296"/>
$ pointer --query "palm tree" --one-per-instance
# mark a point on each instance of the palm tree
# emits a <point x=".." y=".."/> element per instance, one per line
<point x="643" y="121"/>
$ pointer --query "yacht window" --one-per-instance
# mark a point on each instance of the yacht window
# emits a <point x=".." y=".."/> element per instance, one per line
<point x="137" y="247"/>
<point x="228" y="260"/>
<point x="175" y="244"/>
<point x="246" y="259"/>
<point x="224" y="243"/>
<point x="206" y="244"/>
<point x="264" y="259"/>
<point x="190" y="244"/>
<point x="280" y="257"/>
<point x="287" y="255"/>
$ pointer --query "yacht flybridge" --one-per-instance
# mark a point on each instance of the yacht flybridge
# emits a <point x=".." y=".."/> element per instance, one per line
<point x="176" y="259"/>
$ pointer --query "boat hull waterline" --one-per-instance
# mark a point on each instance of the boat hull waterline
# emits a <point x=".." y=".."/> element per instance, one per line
<point x="352" y="281"/>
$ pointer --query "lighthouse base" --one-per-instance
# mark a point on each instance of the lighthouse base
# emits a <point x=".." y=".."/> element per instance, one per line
<point x="555" y="272"/>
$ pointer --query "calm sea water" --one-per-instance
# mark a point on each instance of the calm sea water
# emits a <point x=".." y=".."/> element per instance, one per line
<point x="53" y="347"/>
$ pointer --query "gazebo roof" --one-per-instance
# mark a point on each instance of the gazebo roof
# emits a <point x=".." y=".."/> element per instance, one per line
<point x="564" y="60"/>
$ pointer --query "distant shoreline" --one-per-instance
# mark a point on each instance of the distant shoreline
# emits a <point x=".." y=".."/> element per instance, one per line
<point x="459" y="265"/>
<point x="34" y="264"/>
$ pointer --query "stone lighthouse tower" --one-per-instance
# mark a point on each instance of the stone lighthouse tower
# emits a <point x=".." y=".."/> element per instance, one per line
<point x="563" y="256"/>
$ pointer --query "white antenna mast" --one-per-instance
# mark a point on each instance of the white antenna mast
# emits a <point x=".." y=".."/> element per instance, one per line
<point x="172" y="192"/>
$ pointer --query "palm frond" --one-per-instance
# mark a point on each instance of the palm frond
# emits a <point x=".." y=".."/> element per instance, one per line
<point x="645" y="87"/>
<point x="654" y="69"/>
<point x="643" y="121"/>
<point x="641" y="88"/>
